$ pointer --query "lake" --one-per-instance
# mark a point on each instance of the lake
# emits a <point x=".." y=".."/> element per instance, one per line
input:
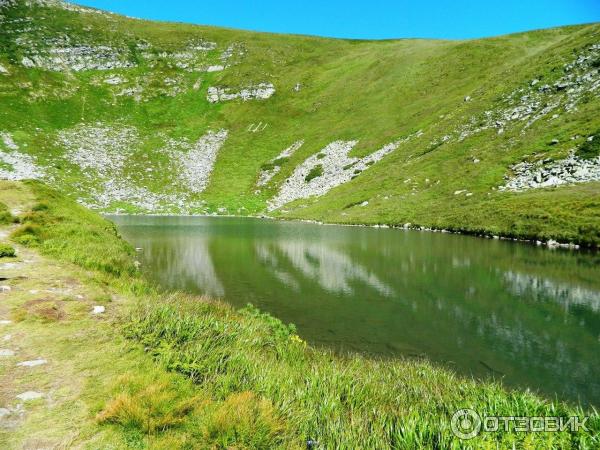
<point x="487" y="308"/>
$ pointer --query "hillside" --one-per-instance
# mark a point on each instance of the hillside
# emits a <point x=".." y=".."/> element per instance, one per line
<point x="125" y="115"/>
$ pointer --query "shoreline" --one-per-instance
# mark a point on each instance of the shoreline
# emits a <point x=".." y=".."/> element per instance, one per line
<point x="550" y="244"/>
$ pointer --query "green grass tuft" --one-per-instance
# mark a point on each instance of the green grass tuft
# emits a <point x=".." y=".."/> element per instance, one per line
<point x="5" y="215"/>
<point x="315" y="172"/>
<point x="7" y="251"/>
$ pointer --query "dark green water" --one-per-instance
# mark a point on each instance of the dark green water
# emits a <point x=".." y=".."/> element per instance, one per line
<point x="487" y="308"/>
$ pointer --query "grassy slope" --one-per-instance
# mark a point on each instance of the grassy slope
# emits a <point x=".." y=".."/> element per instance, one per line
<point x="375" y="92"/>
<point x="222" y="378"/>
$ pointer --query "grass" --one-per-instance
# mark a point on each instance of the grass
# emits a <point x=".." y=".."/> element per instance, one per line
<point x="5" y="215"/>
<point x="243" y="379"/>
<point x="315" y="172"/>
<point x="7" y="251"/>
<point x="92" y="241"/>
<point x="589" y="149"/>
<point x="407" y="85"/>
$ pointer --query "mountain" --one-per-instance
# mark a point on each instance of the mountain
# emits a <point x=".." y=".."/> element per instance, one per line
<point x="499" y="136"/>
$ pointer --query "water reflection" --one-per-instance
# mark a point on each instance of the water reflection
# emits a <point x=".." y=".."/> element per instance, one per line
<point x="332" y="269"/>
<point x="485" y="308"/>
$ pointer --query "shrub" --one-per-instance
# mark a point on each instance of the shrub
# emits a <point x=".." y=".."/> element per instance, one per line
<point x="6" y="251"/>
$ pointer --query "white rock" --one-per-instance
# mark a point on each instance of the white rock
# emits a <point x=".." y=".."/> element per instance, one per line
<point x="196" y="165"/>
<point x="3" y="70"/>
<point x="115" y="80"/>
<point x="6" y="352"/>
<point x="217" y="68"/>
<point x="19" y="166"/>
<point x="260" y="91"/>
<point x="5" y="289"/>
<point x="266" y="175"/>
<point x="5" y="322"/>
<point x="336" y="166"/>
<point x="99" y="148"/>
<point x="4" y="412"/>
<point x="33" y="363"/>
<point x="30" y="395"/>
<point x="365" y="203"/>
<point x="98" y="310"/>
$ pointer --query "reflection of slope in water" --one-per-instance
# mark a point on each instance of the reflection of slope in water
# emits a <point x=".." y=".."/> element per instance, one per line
<point x="184" y="259"/>
<point x="332" y="269"/>
<point x="538" y="288"/>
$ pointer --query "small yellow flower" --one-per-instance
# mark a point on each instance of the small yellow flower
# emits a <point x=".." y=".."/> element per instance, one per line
<point x="298" y="339"/>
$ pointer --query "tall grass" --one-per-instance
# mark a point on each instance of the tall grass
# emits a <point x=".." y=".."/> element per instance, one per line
<point x="341" y="402"/>
<point x="62" y="229"/>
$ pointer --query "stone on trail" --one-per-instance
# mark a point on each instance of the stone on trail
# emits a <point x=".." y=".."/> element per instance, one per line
<point x="33" y="363"/>
<point x="98" y="310"/>
<point x="6" y="352"/>
<point x="30" y="395"/>
<point x="5" y="289"/>
<point x="5" y="322"/>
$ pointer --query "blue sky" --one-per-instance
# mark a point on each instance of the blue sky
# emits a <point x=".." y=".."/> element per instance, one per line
<point x="360" y="19"/>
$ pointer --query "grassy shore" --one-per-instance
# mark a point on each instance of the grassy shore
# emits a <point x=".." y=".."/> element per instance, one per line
<point x="167" y="370"/>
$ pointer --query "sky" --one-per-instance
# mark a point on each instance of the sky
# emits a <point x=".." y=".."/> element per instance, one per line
<point x="366" y="19"/>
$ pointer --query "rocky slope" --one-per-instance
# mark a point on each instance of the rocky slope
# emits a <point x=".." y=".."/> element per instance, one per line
<point x="128" y="115"/>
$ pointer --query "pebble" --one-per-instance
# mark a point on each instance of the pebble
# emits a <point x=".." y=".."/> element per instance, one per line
<point x="5" y="289"/>
<point x="33" y="363"/>
<point x="98" y="310"/>
<point x="6" y="352"/>
<point x="30" y="395"/>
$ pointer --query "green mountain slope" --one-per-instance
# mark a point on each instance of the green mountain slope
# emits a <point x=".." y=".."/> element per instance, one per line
<point x="137" y="116"/>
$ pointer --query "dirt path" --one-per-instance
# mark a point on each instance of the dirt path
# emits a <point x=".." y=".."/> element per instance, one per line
<point x="59" y="355"/>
